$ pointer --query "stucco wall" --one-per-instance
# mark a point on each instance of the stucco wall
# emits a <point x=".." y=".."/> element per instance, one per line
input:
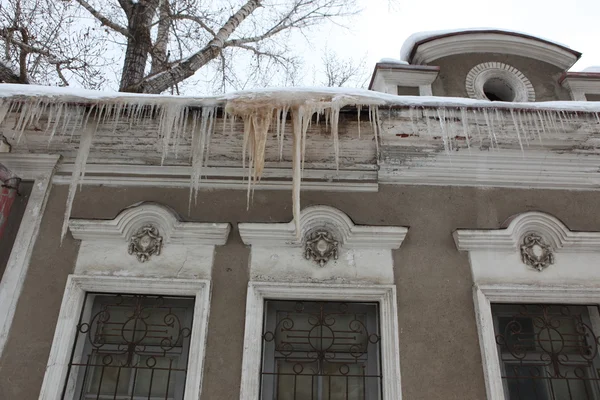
<point x="440" y="356"/>
<point x="454" y="69"/>
<point x="592" y="97"/>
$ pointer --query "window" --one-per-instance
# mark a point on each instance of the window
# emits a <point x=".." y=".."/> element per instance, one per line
<point x="548" y="352"/>
<point x="320" y="351"/>
<point x="131" y="347"/>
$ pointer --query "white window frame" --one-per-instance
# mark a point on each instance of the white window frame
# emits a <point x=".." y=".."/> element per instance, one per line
<point x="258" y="292"/>
<point x="72" y="304"/>
<point x="500" y="276"/>
<point x="40" y="169"/>
<point x="485" y="295"/>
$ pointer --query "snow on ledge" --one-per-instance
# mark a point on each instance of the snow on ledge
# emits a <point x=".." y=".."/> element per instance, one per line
<point x="592" y="69"/>
<point x="392" y="61"/>
<point x="278" y="97"/>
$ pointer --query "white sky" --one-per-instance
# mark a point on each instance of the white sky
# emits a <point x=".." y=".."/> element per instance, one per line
<point x="379" y="31"/>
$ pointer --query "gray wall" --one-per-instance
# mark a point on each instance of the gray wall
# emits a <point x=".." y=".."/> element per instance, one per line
<point x="440" y="356"/>
<point x="592" y="97"/>
<point x="454" y="69"/>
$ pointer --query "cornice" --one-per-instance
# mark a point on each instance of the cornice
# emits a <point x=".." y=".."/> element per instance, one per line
<point x="399" y="75"/>
<point x="316" y="217"/>
<point x="504" y="169"/>
<point x="435" y="48"/>
<point x="552" y="230"/>
<point x="124" y="225"/>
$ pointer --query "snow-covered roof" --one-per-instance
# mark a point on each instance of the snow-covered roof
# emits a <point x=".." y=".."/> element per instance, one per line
<point x="392" y="61"/>
<point x="416" y="39"/>
<point x="276" y="97"/>
<point x="592" y="69"/>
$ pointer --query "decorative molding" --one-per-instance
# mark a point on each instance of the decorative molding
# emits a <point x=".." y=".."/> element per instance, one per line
<point x="145" y="243"/>
<point x="323" y="217"/>
<point x="384" y="78"/>
<point x="581" y="85"/>
<point x="492" y="42"/>
<point x="485" y="295"/>
<point x="553" y="232"/>
<point x="385" y="295"/>
<point x="72" y="304"/>
<point x="131" y="220"/>
<point x="320" y="246"/>
<point x="30" y="166"/>
<point x="115" y="175"/>
<point x="502" y="169"/>
<point x="39" y="168"/>
<point x="482" y="73"/>
<point x="536" y="253"/>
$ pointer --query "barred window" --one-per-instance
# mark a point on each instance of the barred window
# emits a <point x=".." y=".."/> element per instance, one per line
<point x="321" y="351"/>
<point x="548" y="352"/>
<point x="130" y="347"/>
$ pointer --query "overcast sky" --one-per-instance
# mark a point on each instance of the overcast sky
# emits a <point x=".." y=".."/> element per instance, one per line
<point x="379" y="31"/>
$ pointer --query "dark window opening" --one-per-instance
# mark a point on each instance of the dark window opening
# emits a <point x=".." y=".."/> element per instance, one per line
<point x="130" y="347"/>
<point x="497" y="89"/>
<point x="548" y="352"/>
<point x="321" y="351"/>
<point x="13" y="223"/>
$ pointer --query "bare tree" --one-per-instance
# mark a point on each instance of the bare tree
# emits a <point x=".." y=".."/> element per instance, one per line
<point x="340" y="72"/>
<point x="164" y="42"/>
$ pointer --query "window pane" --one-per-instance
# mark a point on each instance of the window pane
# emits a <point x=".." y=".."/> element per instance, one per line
<point x="548" y="351"/>
<point x="321" y="351"/>
<point x="132" y="347"/>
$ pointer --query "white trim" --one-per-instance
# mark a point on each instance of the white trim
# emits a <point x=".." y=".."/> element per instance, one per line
<point x="343" y="229"/>
<point x="166" y="220"/>
<point x="558" y="236"/>
<point x="580" y="86"/>
<point x="394" y="77"/>
<point x="115" y="175"/>
<point x="40" y="169"/>
<point x="505" y="169"/>
<point x="77" y="286"/>
<point x="486" y="42"/>
<point x="484" y="295"/>
<point x="258" y="292"/>
<point x="481" y="73"/>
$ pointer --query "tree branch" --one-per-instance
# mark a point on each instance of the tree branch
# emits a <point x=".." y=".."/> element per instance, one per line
<point x="197" y="20"/>
<point x="103" y="20"/>
<point x="7" y="74"/>
<point x="183" y="69"/>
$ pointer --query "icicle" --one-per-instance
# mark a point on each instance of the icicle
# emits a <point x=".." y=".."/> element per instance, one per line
<point x="491" y="132"/>
<point x="296" y="171"/>
<point x="524" y="129"/>
<point x="428" y="122"/>
<point x="478" y="128"/>
<point x="412" y="121"/>
<point x="79" y="168"/>
<point x="284" y="113"/>
<point x="512" y="114"/>
<point x="443" y="127"/>
<point x="335" y="116"/>
<point x="465" y="124"/>
<point x="358" y="108"/>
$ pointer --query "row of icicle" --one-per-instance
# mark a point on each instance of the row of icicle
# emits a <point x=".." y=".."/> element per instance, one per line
<point x="177" y="120"/>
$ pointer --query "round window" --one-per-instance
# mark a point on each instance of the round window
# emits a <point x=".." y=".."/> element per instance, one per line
<point x="499" y="82"/>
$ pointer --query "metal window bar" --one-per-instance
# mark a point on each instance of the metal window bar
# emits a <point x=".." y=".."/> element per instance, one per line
<point x="321" y="351"/>
<point x="547" y="351"/>
<point x="130" y="347"/>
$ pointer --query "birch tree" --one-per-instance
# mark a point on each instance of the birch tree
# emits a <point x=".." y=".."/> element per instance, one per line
<point x="161" y="43"/>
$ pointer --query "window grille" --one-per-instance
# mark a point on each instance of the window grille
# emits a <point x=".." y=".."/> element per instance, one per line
<point x="130" y="347"/>
<point x="548" y="352"/>
<point x="321" y="351"/>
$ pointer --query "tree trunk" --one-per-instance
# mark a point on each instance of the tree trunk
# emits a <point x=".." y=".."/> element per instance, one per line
<point x="177" y="72"/>
<point x="139" y="43"/>
<point x="159" y="51"/>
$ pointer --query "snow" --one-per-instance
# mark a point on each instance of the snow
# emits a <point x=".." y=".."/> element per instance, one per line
<point x="277" y="97"/>
<point x="393" y="61"/>
<point x="592" y="69"/>
<point x="413" y="39"/>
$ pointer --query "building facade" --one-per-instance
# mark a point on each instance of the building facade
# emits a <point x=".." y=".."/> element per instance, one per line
<point x="442" y="242"/>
